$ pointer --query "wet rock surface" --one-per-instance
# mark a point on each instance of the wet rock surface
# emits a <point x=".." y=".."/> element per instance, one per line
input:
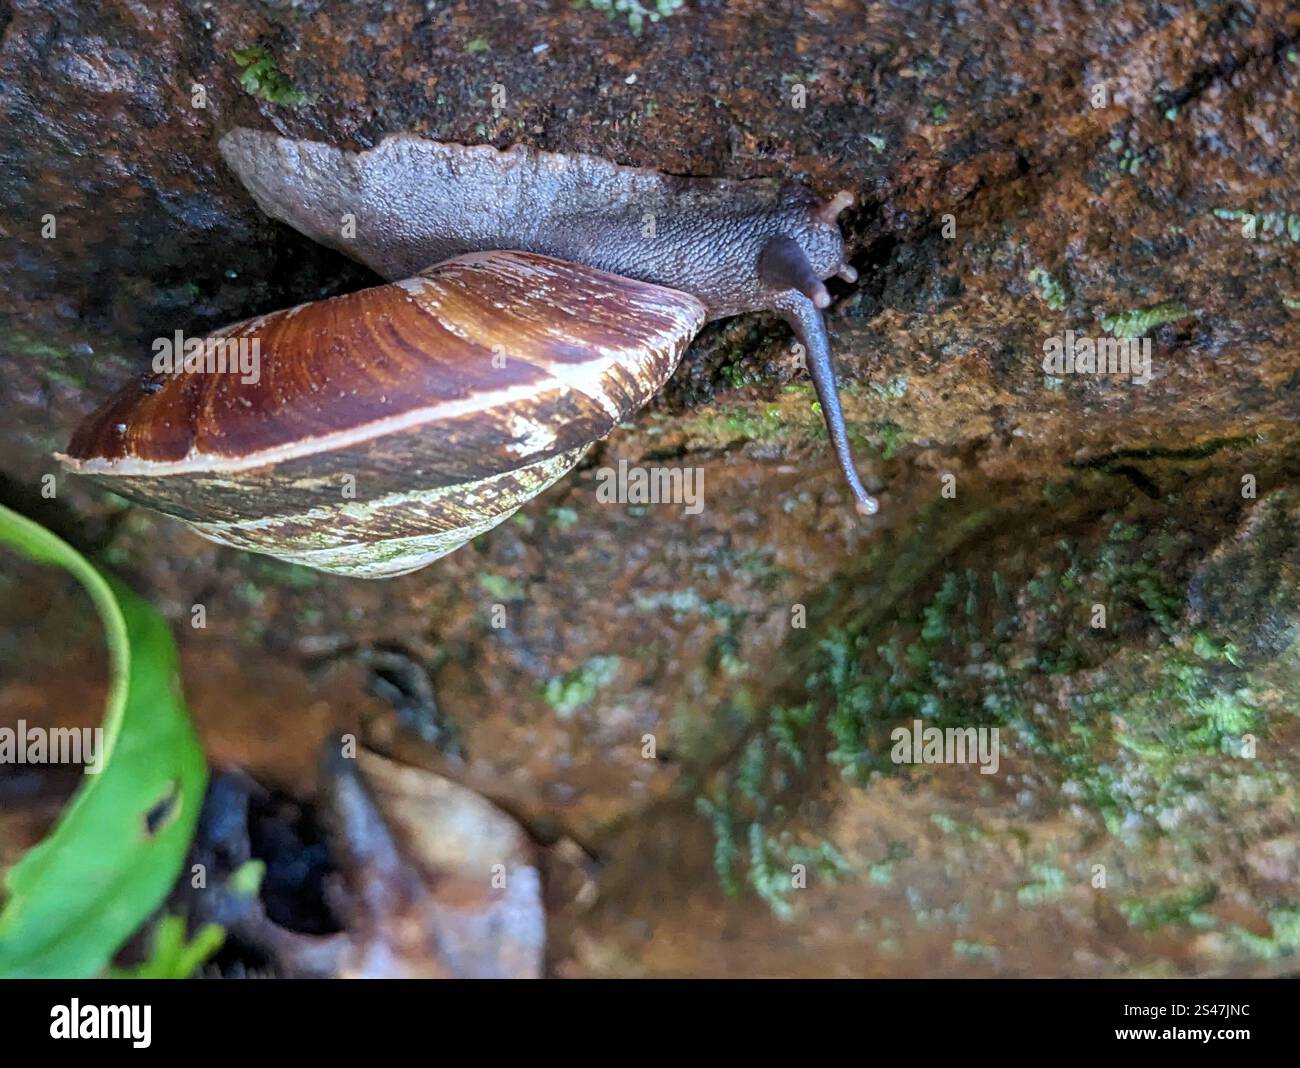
<point x="1141" y="820"/>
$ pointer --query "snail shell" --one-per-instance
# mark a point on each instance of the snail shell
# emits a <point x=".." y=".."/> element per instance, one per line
<point x="390" y="426"/>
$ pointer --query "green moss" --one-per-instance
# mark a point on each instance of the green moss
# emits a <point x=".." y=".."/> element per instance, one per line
<point x="789" y="729"/>
<point x="724" y="650"/>
<point x="740" y="424"/>
<point x="893" y="389"/>
<point x="1139" y="323"/>
<point x="58" y="365"/>
<point x="850" y="718"/>
<point x="251" y="594"/>
<point x="737" y="376"/>
<point x="569" y="692"/>
<point x="913" y="676"/>
<point x="1050" y="290"/>
<point x="34" y="348"/>
<point x="725" y="657"/>
<point x="751" y="772"/>
<point x="637" y="13"/>
<point x="261" y="77"/>
<point x="1051" y="883"/>
<point x="892" y="436"/>
<point x="950" y="627"/>
<point x="759" y="564"/>
<point x="500" y="588"/>
<point x="1129" y="160"/>
<point x="688" y="602"/>
<point x="975" y="951"/>
<point x="771" y="867"/>
<point x="985" y="647"/>
<point x="934" y="616"/>
<point x="747" y="793"/>
<point x="1182" y="907"/>
<point x="1264" y="223"/>
<point x="724" y="842"/>
<point x="795" y="417"/>
<point x="883" y="872"/>
<point x="1182" y="707"/>
<point x="562" y="517"/>
<point x="1285" y="940"/>
<point x="944" y="822"/>
<point x="308" y="618"/>
<point x="771" y="884"/>
<point x="966" y="832"/>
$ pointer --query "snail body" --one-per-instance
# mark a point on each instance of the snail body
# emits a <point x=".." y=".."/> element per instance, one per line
<point x="535" y="302"/>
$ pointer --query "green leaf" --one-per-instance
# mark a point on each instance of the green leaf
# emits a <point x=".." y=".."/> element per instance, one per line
<point x="246" y="880"/>
<point x="117" y="848"/>
<point x="261" y="77"/>
<point x="172" y="955"/>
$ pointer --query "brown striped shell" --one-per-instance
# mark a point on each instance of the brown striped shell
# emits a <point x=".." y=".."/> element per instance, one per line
<point x="388" y="427"/>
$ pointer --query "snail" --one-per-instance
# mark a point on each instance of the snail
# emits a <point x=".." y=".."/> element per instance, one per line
<point x="535" y="302"/>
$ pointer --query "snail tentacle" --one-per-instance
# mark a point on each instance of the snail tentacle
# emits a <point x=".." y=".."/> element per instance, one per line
<point x="783" y="265"/>
<point x="806" y="321"/>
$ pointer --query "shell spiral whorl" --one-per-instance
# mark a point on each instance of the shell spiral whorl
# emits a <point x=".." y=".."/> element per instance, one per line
<point x="388" y="427"/>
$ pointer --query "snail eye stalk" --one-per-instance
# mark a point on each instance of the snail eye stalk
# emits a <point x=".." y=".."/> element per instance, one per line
<point x="784" y="266"/>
